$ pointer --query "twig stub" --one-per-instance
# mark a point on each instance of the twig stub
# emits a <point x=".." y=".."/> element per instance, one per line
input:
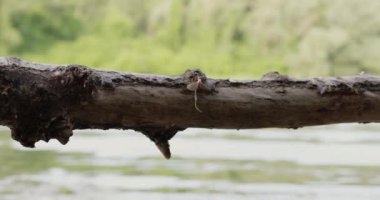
<point x="160" y="136"/>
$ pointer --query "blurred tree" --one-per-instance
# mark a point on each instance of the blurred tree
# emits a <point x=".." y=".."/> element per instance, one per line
<point x="242" y="38"/>
<point x="41" y="26"/>
<point x="9" y="36"/>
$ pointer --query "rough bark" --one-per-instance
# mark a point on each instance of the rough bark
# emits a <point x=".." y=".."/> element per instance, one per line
<point x="41" y="101"/>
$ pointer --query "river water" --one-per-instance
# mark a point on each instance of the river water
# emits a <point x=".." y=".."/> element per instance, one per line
<point x="325" y="162"/>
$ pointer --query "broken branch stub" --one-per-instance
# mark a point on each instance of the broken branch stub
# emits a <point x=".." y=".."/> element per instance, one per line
<point x="41" y="101"/>
<point x="160" y="136"/>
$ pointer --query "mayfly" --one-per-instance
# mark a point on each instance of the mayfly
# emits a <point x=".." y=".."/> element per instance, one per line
<point x="194" y="86"/>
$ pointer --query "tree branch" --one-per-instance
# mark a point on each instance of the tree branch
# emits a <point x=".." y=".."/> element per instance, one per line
<point x="41" y="101"/>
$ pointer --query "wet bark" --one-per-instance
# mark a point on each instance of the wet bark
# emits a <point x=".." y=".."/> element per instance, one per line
<point x="41" y="101"/>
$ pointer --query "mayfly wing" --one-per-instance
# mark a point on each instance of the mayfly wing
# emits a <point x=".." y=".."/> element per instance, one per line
<point x="192" y="86"/>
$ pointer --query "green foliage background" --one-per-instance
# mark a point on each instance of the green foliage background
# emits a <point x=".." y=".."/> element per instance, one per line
<point x="241" y="38"/>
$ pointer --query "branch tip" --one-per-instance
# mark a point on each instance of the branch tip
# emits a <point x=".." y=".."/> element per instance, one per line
<point x="164" y="148"/>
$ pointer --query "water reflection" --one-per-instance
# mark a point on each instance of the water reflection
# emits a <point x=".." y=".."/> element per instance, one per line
<point x="329" y="162"/>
